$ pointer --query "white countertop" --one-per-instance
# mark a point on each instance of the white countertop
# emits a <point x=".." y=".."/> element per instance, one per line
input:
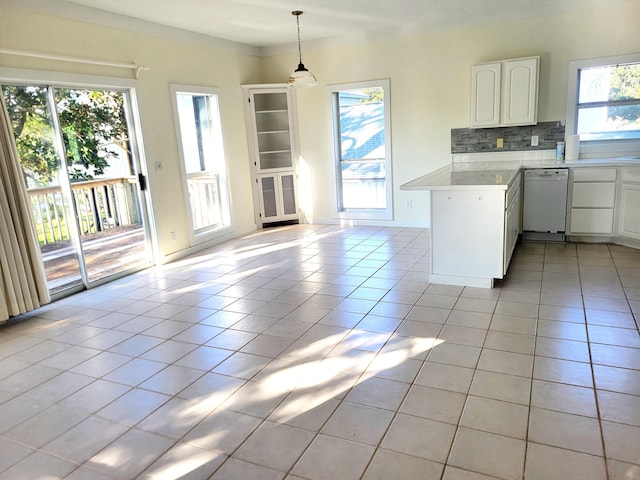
<point x="447" y="178"/>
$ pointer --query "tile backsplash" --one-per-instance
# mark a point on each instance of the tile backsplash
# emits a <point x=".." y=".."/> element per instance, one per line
<point x="477" y="140"/>
<point x="500" y="160"/>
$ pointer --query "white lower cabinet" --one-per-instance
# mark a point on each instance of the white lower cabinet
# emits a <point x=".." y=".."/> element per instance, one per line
<point x="512" y="223"/>
<point x="278" y="200"/>
<point x="474" y="234"/>
<point x="592" y="201"/>
<point x="629" y="206"/>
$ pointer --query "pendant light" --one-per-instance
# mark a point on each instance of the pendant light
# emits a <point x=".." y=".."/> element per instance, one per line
<point x="301" y="77"/>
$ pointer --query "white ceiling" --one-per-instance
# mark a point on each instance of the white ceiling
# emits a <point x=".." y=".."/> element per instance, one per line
<point x="269" y="23"/>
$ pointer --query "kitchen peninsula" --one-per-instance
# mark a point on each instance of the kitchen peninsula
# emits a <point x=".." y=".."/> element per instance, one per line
<point x="475" y="222"/>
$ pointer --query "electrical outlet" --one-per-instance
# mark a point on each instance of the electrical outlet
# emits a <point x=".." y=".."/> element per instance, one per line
<point x="534" y="140"/>
<point x="409" y="203"/>
<point x="173" y="235"/>
<point x="500" y="143"/>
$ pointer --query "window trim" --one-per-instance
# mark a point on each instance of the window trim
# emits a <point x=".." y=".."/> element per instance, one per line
<point x="597" y="148"/>
<point x="207" y="233"/>
<point x="363" y="213"/>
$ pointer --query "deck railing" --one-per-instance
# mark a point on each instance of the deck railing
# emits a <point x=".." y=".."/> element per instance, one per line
<point x="100" y="205"/>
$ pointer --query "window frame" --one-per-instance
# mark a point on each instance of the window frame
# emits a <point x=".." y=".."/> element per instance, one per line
<point x="203" y="234"/>
<point x="362" y="213"/>
<point x="597" y="148"/>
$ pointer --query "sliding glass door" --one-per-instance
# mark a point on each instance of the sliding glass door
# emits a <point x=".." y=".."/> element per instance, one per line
<point x="79" y="161"/>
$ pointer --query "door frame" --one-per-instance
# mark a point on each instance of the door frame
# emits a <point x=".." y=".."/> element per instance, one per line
<point x="128" y="87"/>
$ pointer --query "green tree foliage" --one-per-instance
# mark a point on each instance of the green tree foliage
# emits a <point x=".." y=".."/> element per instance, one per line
<point x="93" y="124"/>
<point x="376" y="95"/>
<point x="625" y="85"/>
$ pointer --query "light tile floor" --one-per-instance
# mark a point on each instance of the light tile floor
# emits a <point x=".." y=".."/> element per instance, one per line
<point x="320" y="352"/>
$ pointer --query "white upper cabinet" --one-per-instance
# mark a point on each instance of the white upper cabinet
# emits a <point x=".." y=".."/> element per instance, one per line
<point x="485" y="94"/>
<point x="505" y="93"/>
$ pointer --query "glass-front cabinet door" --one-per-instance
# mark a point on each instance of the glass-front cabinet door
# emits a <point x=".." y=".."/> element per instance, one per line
<point x="272" y="138"/>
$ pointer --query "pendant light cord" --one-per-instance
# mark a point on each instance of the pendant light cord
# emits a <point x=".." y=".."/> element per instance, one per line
<point x="297" y="13"/>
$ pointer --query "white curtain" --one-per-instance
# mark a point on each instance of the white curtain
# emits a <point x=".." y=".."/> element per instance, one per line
<point x="23" y="284"/>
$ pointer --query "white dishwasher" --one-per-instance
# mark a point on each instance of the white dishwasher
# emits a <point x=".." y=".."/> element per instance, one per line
<point x="545" y="204"/>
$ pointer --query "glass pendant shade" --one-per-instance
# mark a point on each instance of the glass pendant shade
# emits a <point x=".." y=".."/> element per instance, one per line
<point x="301" y="77"/>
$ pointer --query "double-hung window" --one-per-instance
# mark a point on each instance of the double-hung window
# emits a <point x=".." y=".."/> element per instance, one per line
<point x="604" y="105"/>
<point x="362" y="145"/>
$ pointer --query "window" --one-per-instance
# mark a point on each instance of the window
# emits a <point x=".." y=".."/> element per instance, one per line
<point x="200" y="138"/>
<point x="363" y="150"/>
<point x="604" y="104"/>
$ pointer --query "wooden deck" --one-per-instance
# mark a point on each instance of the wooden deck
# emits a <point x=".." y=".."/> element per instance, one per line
<point x="106" y="253"/>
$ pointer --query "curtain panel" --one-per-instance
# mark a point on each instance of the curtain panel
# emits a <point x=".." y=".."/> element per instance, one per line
<point x="23" y="284"/>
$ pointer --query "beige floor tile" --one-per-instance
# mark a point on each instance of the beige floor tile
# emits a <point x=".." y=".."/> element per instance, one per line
<point x="434" y="403"/>
<point x="622" y="442"/>
<point x="172" y="379"/>
<point x="233" y="469"/>
<point x="133" y="406"/>
<point x="563" y="398"/>
<point x="378" y="323"/>
<point x="242" y="365"/>
<point x="185" y="462"/>
<point x="419" y="437"/>
<point x="358" y="423"/>
<point x="564" y="330"/>
<point x="396" y="367"/>
<point x="421" y="313"/>
<point x="412" y="328"/>
<point x="275" y="445"/>
<point x="619" y="407"/>
<point x="622" y="471"/>
<point x="518" y="309"/>
<point x="446" y="377"/>
<point x="94" y="396"/>
<point x="563" y="430"/>
<point x="561" y="314"/>
<point x="465" y="317"/>
<point x="453" y="473"/>
<point x="455" y="354"/>
<point x="610" y="319"/>
<point x="622" y="337"/>
<point x="379" y="392"/>
<point x="605" y="303"/>
<point x="475" y="305"/>
<point x="563" y="349"/>
<point x="510" y="342"/>
<point x="488" y="453"/>
<point x="551" y="463"/>
<point x="495" y="416"/>
<point x="130" y="454"/>
<point x="513" y="324"/>
<point x="176" y="417"/>
<point x="500" y="386"/>
<point x="506" y="362"/>
<point x="622" y="380"/>
<point x="387" y="464"/>
<point x="328" y="458"/>
<point x="39" y="465"/>
<point x="305" y="411"/>
<point x="562" y="371"/>
<point x="613" y="356"/>
<point x="473" y="337"/>
<point x="222" y="431"/>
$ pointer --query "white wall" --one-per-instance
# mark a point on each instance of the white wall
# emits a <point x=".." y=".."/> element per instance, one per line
<point x="430" y="86"/>
<point x="170" y="61"/>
